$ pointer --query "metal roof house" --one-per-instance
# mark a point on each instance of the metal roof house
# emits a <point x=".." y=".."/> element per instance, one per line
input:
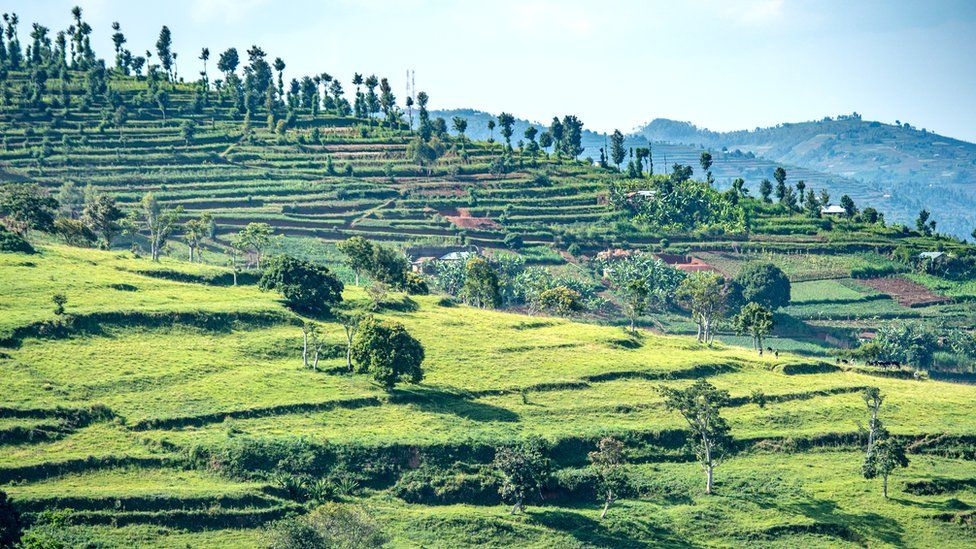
<point x="833" y="209"/>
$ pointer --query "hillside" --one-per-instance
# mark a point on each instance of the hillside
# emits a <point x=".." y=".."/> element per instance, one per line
<point x="179" y="398"/>
<point x="913" y="168"/>
<point x="675" y="142"/>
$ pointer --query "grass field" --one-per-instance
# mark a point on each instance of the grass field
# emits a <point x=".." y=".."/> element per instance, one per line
<point x="184" y="369"/>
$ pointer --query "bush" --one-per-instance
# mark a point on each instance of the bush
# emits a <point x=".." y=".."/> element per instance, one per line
<point x="431" y="486"/>
<point x="388" y="352"/>
<point x="416" y="285"/>
<point x="306" y="287"/>
<point x="9" y="522"/>
<point x="12" y="242"/>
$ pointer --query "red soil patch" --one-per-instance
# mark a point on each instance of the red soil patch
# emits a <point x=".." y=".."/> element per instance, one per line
<point x="905" y="292"/>
<point x="687" y="263"/>
<point x="462" y="218"/>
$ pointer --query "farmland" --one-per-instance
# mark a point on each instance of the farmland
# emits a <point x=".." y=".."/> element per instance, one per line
<point x="175" y="386"/>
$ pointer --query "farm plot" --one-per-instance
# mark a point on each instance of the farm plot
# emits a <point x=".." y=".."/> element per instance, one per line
<point x="906" y="292"/>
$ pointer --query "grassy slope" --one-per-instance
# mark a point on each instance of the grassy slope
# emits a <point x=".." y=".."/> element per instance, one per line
<point x="578" y="381"/>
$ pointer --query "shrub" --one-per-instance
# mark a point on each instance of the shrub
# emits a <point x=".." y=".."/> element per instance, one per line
<point x="12" y="242"/>
<point x="388" y="352"/>
<point x="416" y="285"/>
<point x="9" y="522"/>
<point x="306" y="287"/>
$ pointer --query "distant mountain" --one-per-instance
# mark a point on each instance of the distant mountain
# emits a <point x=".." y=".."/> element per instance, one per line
<point x="915" y="168"/>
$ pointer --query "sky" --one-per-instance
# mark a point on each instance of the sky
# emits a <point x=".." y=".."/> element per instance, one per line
<point x="720" y="64"/>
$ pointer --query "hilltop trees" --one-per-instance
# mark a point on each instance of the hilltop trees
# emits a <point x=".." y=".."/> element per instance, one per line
<point x="388" y="352"/>
<point x="164" y="51"/>
<point x="617" y="150"/>
<point x="306" y="287"/>
<point x="705" y="160"/>
<point x="925" y="225"/>
<point x="700" y="406"/>
<point x="765" y="189"/>
<point x="505" y="122"/>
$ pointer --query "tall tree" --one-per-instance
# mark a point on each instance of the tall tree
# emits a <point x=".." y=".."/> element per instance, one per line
<point x="700" y="406"/>
<point x="26" y="206"/>
<point x="388" y="352"/>
<point x="388" y="103"/>
<point x="705" y="160"/>
<point x="164" y="50"/>
<point x="765" y="284"/>
<point x="258" y="238"/>
<point x="524" y="470"/>
<point x="884" y="457"/>
<point x="505" y="122"/>
<point x="481" y="284"/>
<point x="158" y="222"/>
<point x="608" y="461"/>
<point x="756" y="321"/>
<point x="307" y="287"/>
<point x="617" y="151"/>
<point x="705" y="295"/>
<point x="195" y="231"/>
<point x="765" y="189"/>
<point x="359" y="255"/>
<point x="103" y="217"/>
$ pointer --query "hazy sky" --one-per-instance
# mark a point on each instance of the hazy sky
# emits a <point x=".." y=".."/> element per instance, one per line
<point x="719" y="64"/>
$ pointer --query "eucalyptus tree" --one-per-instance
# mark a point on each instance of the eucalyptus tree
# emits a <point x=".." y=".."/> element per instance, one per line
<point x="700" y="405"/>
<point x="505" y="122"/>
<point x="388" y="102"/>
<point x="617" y="151"/>
<point x="158" y="222"/>
<point x="372" y="100"/>
<point x="164" y="50"/>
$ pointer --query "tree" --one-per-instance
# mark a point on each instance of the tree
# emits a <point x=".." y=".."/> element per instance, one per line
<point x="765" y="189"/>
<point x="846" y="202"/>
<point x="765" y="284"/>
<point x="505" y="122"/>
<point x="26" y="206"/>
<point x="491" y="131"/>
<point x="572" y="141"/>
<point x="311" y="344"/>
<point x="608" y="460"/>
<point x="704" y="294"/>
<point x="227" y="63"/>
<point x="561" y="300"/>
<point x="779" y="174"/>
<point x="359" y="255"/>
<point x="460" y="125"/>
<point x="873" y="400"/>
<point x="524" y="470"/>
<point x="755" y="320"/>
<point x="196" y="230"/>
<point x="187" y="130"/>
<point x="882" y="459"/>
<point x="545" y="141"/>
<point x="924" y="224"/>
<point x="306" y="287"/>
<point x="700" y="406"/>
<point x="258" y="238"/>
<point x="156" y="221"/>
<point x="350" y="324"/>
<point x="164" y="50"/>
<point x="388" y="352"/>
<point x="481" y="284"/>
<point x="59" y="300"/>
<point x="103" y="217"/>
<point x="617" y="150"/>
<point x="907" y="343"/>
<point x="705" y="160"/>
<point x="71" y="200"/>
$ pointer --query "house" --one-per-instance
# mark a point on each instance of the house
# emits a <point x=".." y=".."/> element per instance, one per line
<point x="833" y="209"/>
<point x="420" y="264"/>
<point x="931" y="255"/>
<point x="648" y="194"/>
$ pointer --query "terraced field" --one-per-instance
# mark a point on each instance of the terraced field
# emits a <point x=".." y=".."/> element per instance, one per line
<point x="155" y="415"/>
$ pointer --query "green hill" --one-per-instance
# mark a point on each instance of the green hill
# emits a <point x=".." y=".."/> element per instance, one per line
<point x="912" y="168"/>
<point x="154" y="413"/>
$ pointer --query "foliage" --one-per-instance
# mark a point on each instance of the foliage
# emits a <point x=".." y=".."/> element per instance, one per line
<point x="480" y="284"/>
<point x="10" y="525"/>
<point x="388" y="352"/>
<point x="882" y="459"/>
<point x="907" y="343"/>
<point x="326" y="526"/>
<point x="524" y="470"/>
<point x="765" y="284"/>
<point x="642" y="282"/>
<point x="13" y="242"/>
<point x="677" y="206"/>
<point x="306" y="287"/>
<point x="561" y="301"/>
<point x="707" y="296"/>
<point x="608" y="460"/>
<point x="756" y="321"/>
<point x="700" y="406"/>
<point x="26" y="206"/>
